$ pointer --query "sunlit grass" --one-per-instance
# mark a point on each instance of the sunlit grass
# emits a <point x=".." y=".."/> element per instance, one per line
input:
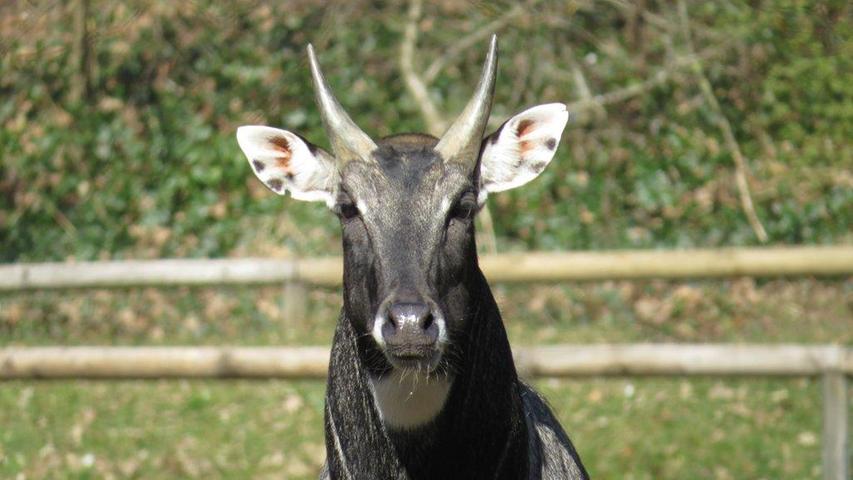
<point x="623" y="428"/>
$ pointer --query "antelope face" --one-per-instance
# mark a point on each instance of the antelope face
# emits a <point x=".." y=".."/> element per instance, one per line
<point x="406" y="205"/>
<point x="407" y="220"/>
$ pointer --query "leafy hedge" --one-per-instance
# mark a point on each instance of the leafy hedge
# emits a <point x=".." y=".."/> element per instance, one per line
<point x="144" y="162"/>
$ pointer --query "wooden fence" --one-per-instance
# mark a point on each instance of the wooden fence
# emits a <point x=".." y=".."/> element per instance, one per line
<point x="833" y="363"/>
<point x="507" y="267"/>
<point x="312" y="362"/>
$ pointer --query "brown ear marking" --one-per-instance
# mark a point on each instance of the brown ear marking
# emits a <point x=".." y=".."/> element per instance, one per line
<point x="283" y="163"/>
<point x="524" y="128"/>
<point x="281" y="144"/>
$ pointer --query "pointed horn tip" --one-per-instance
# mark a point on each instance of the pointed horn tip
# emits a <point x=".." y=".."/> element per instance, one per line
<point x="491" y="55"/>
<point x="314" y="65"/>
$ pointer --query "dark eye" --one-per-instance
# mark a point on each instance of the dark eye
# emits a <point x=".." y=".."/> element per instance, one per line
<point x="466" y="207"/>
<point x="345" y="207"/>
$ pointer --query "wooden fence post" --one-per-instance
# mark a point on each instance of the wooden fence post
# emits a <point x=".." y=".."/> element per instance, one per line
<point x="295" y="302"/>
<point x="834" y="445"/>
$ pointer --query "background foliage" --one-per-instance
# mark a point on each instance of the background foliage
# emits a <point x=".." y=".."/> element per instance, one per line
<point x="125" y="148"/>
<point x="120" y="144"/>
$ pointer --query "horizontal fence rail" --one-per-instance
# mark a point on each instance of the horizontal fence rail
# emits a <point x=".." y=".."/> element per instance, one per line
<point x="312" y="362"/>
<point x="833" y="363"/>
<point x="508" y="267"/>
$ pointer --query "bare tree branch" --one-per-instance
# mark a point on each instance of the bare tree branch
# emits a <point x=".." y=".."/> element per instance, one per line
<point x="622" y="94"/>
<point x="417" y="87"/>
<point x="433" y="118"/>
<point x="661" y="22"/>
<point x="725" y="128"/>
<point x="473" y="38"/>
<point x="81" y="53"/>
<point x="584" y="91"/>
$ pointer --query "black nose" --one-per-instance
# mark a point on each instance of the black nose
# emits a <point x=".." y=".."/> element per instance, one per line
<point x="411" y="329"/>
<point x="416" y="314"/>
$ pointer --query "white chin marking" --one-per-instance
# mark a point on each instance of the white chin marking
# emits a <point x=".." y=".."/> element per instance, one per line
<point x="408" y="400"/>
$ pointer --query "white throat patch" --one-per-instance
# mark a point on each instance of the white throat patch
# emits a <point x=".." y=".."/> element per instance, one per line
<point x="408" y="400"/>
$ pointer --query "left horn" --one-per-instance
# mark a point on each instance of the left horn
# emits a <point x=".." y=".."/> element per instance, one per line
<point x="347" y="140"/>
<point x="461" y="142"/>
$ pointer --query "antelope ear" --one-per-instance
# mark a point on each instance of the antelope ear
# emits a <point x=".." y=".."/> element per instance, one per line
<point x="522" y="147"/>
<point x="284" y="161"/>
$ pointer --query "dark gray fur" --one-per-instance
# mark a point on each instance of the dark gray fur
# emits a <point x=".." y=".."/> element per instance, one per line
<point x="492" y="426"/>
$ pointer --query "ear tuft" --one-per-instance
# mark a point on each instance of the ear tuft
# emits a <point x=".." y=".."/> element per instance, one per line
<point x="283" y="161"/>
<point x="521" y="149"/>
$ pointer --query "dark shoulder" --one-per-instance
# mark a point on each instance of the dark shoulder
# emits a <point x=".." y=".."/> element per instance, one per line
<point x="552" y="454"/>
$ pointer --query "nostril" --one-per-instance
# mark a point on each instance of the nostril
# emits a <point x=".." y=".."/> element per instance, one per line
<point x="429" y="329"/>
<point x="388" y="329"/>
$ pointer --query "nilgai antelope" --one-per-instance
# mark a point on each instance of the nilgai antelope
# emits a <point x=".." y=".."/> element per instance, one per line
<point x="422" y="383"/>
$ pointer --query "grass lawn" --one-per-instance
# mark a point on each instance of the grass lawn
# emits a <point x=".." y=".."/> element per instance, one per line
<point x="624" y="428"/>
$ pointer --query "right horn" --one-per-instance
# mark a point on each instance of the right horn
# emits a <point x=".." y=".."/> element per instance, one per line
<point x="461" y="142"/>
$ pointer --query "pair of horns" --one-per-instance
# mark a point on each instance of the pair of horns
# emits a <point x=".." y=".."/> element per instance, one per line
<point x="460" y="143"/>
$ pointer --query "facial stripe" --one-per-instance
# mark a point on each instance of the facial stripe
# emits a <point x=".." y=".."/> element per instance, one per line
<point x="362" y="207"/>
<point x="445" y="205"/>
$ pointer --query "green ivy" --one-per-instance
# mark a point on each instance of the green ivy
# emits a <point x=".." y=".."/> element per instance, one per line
<point x="146" y="164"/>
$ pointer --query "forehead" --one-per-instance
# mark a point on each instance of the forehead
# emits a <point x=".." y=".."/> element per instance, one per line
<point x="405" y="165"/>
<point x="408" y="159"/>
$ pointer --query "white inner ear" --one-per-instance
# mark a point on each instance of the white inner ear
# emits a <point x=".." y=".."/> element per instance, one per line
<point x="521" y="149"/>
<point x="284" y="162"/>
